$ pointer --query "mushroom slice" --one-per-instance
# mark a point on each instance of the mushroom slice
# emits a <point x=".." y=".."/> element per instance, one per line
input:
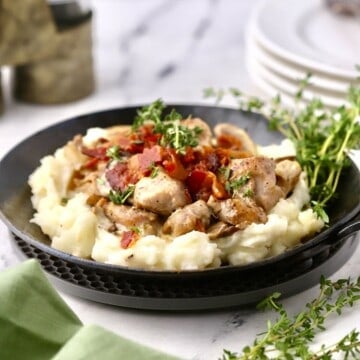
<point x="240" y="137"/>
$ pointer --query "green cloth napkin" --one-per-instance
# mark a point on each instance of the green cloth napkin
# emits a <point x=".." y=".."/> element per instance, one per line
<point x="35" y="323"/>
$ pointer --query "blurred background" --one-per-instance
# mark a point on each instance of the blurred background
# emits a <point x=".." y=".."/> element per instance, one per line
<point x="108" y="53"/>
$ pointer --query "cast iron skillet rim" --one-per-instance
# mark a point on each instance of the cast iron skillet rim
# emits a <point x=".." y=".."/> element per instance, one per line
<point x="333" y="230"/>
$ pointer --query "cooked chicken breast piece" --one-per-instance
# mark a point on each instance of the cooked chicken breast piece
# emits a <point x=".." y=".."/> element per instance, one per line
<point x="240" y="212"/>
<point x="147" y="222"/>
<point x="287" y="172"/>
<point x="161" y="194"/>
<point x="262" y="180"/>
<point x="195" y="216"/>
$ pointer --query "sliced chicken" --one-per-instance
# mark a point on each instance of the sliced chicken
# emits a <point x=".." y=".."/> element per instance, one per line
<point x="287" y="172"/>
<point x="147" y="222"/>
<point x="239" y="212"/>
<point x="240" y="137"/>
<point x="161" y="194"/>
<point x="195" y="216"/>
<point x="262" y="180"/>
<point x="205" y="136"/>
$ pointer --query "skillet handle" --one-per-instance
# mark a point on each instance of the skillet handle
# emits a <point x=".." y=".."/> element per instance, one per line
<point x="351" y="227"/>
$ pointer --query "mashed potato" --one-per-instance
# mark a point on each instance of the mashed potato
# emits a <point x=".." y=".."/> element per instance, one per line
<point x="75" y="228"/>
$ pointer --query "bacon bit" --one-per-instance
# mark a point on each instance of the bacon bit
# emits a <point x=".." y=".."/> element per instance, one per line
<point x="138" y="141"/>
<point x="120" y="176"/>
<point x="189" y="156"/>
<point x="201" y="184"/>
<point x="150" y="157"/>
<point x="124" y="142"/>
<point x="128" y="239"/>
<point x="97" y="153"/>
<point x="173" y="166"/>
<point x="90" y="164"/>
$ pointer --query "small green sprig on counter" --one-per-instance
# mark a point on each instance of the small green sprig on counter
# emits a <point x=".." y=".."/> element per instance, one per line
<point x="174" y="134"/>
<point x="289" y="337"/>
<point x="322" y="137"/>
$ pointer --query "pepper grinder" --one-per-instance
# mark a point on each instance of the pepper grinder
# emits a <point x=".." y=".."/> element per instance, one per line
<point x="65" y="72"/>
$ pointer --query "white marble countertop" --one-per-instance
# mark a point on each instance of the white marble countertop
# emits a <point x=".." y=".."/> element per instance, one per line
<point x="170" y="49"/>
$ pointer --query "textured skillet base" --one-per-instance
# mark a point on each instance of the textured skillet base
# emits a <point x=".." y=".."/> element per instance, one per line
<point x="186" y="294"/>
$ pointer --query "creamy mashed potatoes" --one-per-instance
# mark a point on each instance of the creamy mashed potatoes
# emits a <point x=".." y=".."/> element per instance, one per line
<point x="74" y="227"/>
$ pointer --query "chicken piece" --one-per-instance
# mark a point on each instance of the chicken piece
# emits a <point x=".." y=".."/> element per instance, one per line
<point x="287" y="172"/>
<point x="261" y="182"/>
<point x="240" y="212"/>
<point x="240" y="137"/>
<point x="205" y="136"/>
<point x="195" y="216"/>
<point x="147" y="222"/>
<point x="161" y="194"/>
<point x="220" y="229"/>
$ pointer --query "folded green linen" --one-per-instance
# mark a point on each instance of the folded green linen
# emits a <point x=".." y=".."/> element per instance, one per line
<point x="35" y="323"/>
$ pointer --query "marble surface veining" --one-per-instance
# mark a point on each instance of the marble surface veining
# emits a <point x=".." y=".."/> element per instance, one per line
<point x="172" y="49"/>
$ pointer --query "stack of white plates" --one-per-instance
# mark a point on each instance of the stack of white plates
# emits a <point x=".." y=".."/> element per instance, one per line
<point x="287" y="39"/>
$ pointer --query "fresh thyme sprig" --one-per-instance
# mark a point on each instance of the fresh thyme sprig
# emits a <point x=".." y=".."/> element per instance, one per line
<point x="174" y="134"/>
<point x="322" y="137"/>
<point x="289" y="337"/>
<point x="120" y="197"/>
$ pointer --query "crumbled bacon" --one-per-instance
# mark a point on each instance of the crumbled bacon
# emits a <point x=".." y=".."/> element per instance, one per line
<point x="97" y="152"/>
<point x="173" y="165"/>
<point x="149" y="157"/>
<point x="120" y="176"/>
<point x="128" y="239"/>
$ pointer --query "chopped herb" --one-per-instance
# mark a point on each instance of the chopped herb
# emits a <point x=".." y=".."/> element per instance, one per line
<point x="248" y="193"/>
<point x="100" y="181"/>
<point x="64" y="201"/>
<point x="225" y="172"/>
<point x="236" y="184"/>
<point x="151" y="113"/>
<point x="135" y="229"/>
<point x="154" y="170"/>
<point x="179" y="137"/>
<point x="120" y="197"/>
<point x="169" y="126"/>
<point x="113" y="152"/>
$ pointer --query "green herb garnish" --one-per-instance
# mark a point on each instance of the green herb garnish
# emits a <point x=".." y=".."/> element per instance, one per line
<point x="154" y="170"/>
<point x="174" y="134"/>
<point x="113" y="152"/>
<point x="120" y="197"/>
<point x="233" y="185"/>
<point x="321" y="137"/>
<point x="289" y="337"/>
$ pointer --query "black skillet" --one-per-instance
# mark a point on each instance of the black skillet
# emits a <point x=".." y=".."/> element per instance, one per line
<point x="289" y="273"/>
